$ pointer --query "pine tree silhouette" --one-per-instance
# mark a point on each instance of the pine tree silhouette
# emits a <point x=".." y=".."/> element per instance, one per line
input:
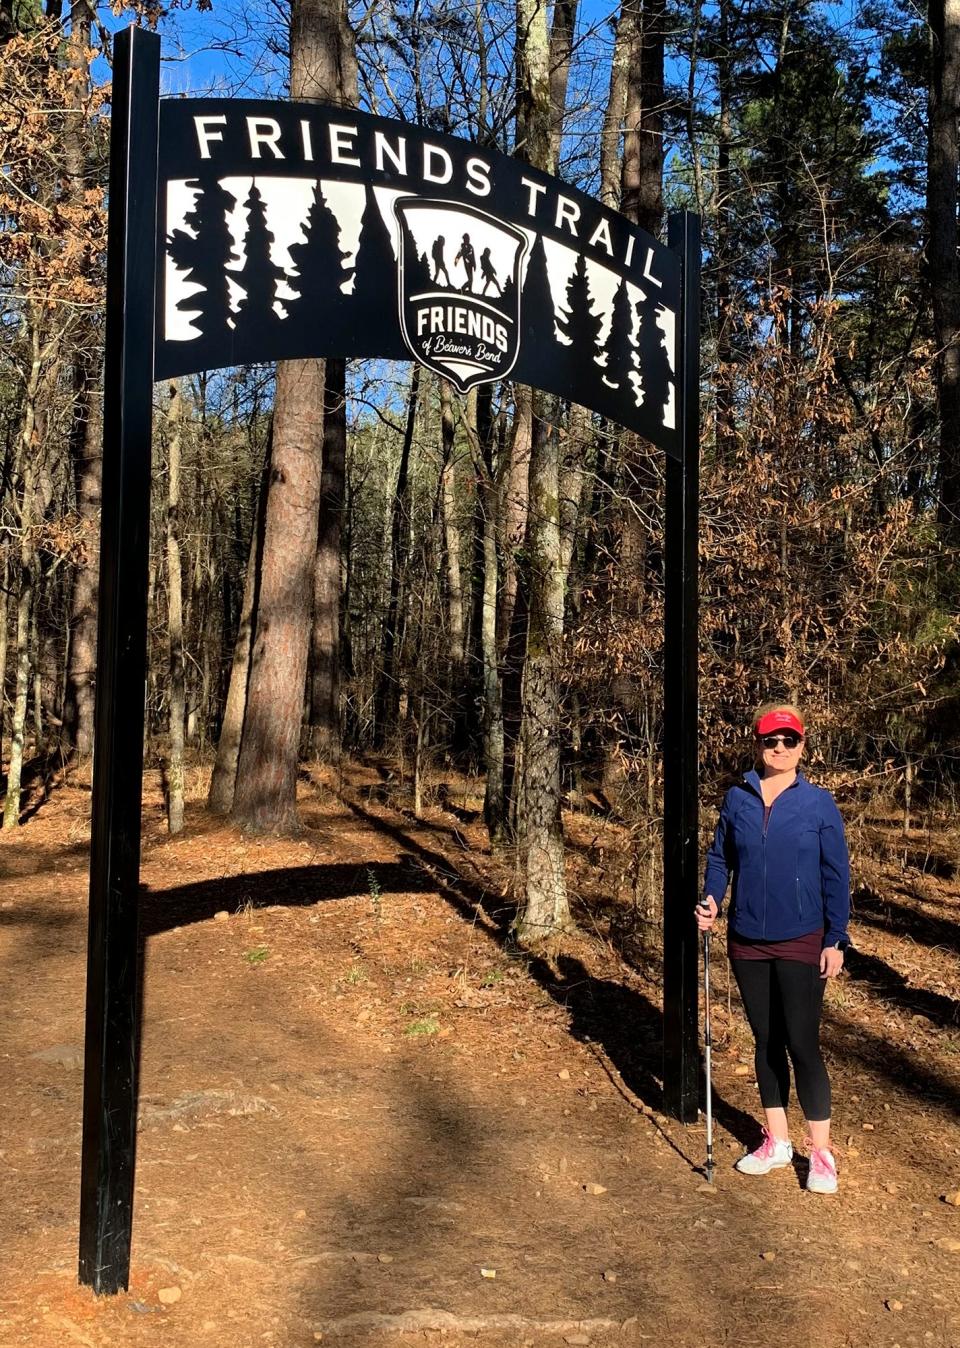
<point x="205" y="257"/>
<point x="655" y="372"/>
<point x="256" y="315"/>
<point x="319" y="262"/>
<point x="582" y="325"/>
<point x="538" y="316"/>
<point x="376" y="271"/>
<point x="619" y="348"/>
<point x="507" y="299"/>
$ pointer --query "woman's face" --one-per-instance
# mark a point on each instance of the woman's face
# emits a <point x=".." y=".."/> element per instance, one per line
<point x="781" y="751"/>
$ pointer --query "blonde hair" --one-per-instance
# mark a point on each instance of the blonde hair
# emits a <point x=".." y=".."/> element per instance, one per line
<point x="766" y="708"/>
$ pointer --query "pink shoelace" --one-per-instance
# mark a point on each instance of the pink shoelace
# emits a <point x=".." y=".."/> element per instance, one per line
<point x="767" y="1147"/>
<point x="822" y="1163"/>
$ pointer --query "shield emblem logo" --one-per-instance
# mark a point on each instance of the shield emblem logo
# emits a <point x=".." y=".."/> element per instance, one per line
<point x="459" y="289"/>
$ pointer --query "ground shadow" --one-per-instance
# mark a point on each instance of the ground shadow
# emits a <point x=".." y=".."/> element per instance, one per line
<point x="294" y="886"/>
<point x="886" y="914"/>
<point x="620" y="1019"/>
<point x="894" y="988"/>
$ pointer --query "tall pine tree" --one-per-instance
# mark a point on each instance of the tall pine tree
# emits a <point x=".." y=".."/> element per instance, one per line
<point x="256" y="314"/>
<point x="319" y="263"/>
<point x="205" y="255"/>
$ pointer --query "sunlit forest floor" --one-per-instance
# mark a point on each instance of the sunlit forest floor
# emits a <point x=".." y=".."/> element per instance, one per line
<point x="366" y="1120"/>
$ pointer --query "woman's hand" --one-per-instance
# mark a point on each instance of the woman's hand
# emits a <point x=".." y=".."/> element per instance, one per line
<point x="706" y="913"/>
<point x="831" y="962"/>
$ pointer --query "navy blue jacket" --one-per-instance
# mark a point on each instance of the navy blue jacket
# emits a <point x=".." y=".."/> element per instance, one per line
<point x="788" y="880"/>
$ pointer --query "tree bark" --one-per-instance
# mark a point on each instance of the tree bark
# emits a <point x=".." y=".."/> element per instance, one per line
<point x="942" y="269"/>
<point x="223" y="780"/>
<point x="545" y="910"/>
<point x="387" y="696"/>
<point x="322" y="65"/>
<point x="642" y="193"/>
<point x="87" y="431"/>
<point x="613" y="115"/>
<point x="82" y="655"/>
<point x="726" y="437"/>
<point x="324" y="42"/>
<point x="561" y="51"/>
<point x="177" y="691"/>
<point x="325" y="635"/>
<point x="265" y="795"/>
<point x="451" y="537"/>
<point x="515" y="508"/>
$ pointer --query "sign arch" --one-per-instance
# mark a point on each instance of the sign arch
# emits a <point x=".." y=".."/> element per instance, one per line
<point x="242" y="232"/>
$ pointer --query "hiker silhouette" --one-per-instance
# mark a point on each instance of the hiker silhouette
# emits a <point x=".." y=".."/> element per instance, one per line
<point x="436" y="252"/>
<point x="488" y="272"/>
<point x="468" y="257"/>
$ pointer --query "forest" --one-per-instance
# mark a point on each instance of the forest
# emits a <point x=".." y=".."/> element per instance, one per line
<point x="350" y="558"/>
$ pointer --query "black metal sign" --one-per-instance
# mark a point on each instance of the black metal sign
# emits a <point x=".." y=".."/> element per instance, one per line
<point x="293" y="230"/>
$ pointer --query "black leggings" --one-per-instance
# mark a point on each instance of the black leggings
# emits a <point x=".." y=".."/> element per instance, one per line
<point x="783" y="1000"/>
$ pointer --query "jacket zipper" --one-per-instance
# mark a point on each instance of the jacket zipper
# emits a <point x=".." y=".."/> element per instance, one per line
<point x="763" y="843"/>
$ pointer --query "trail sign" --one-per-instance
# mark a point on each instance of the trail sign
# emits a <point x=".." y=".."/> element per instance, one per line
<point x="246" y="231"/>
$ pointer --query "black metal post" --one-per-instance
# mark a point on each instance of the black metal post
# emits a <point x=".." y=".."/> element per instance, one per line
<point x="680" y="784"/>
<point x="113" y="959"/>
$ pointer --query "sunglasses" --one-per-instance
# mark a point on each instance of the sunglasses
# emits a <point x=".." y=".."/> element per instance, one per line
<point x="789" y="740"/>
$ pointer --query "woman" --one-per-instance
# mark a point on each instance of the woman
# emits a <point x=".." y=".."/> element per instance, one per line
<point x="782" y="839"/>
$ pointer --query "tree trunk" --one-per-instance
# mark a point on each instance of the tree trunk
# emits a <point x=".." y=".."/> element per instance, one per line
<point x="325" y="636"/>
<point x="642" y="194"/>
<point x="545" y="910"/>
<point x="726" y="438"/>
<point x="561" y="50"/>
<point x="82" y="657"/>
<point x="4" y="592"/>
<point x="87" y="431"/>
<point x="222" y="783"/>
<point x="327" y="70"/>
<point x="515" y="508"/>
<point x="387" y="696"/>
<point x="265" y="795"/>
<point x="615" y="109"/>
<point x="322" y="66"/>
<point x="18" y="725"/>
<point x="942" y="269"/>
<point x="494" y="801"/>
<point x="451" y="538"/>
<point x="177" y="692"/>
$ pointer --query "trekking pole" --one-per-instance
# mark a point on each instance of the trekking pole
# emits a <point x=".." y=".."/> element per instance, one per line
<point x="706" y="1054"/>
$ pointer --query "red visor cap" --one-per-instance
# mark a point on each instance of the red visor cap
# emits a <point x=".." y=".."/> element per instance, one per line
<point x="778" y="720"/>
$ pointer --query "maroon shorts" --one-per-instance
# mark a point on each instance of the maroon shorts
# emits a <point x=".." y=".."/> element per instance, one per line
<point x="805" y="949"/>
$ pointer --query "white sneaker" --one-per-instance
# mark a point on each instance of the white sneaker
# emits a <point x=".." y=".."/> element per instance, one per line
<point x="772" y="1154"/>
<point x="822" y="1175"/>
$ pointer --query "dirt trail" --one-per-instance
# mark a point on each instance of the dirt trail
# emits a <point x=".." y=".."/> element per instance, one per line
<point x="364" y="1122"/>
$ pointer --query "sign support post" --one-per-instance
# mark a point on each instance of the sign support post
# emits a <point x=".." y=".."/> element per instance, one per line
<point x="113" y="955"/>
<point x="680" y="700"/>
